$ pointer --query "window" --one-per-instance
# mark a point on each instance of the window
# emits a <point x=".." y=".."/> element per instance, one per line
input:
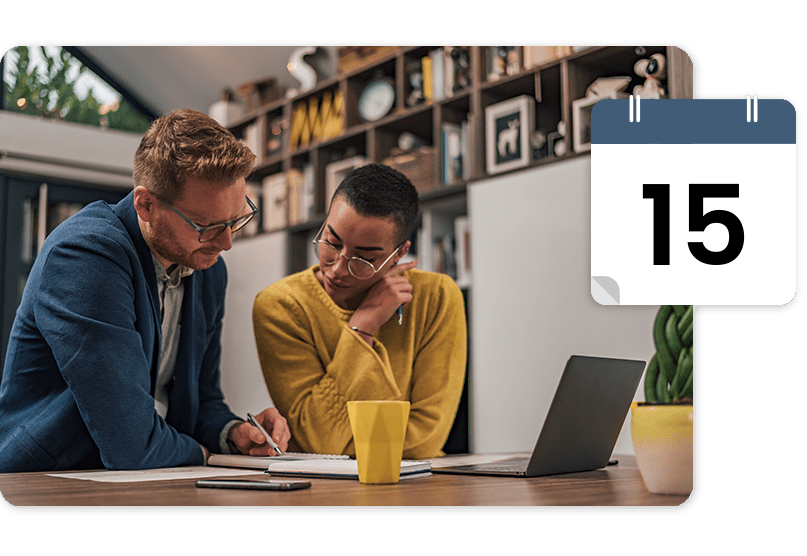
<point x="49" y="81"/>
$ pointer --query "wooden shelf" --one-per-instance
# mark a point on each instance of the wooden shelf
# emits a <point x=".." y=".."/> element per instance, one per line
<point x="554" y="84"/>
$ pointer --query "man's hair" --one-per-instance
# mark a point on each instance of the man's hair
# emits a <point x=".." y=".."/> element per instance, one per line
<point x="381" y="191"/>
<point x="184" y="144"/>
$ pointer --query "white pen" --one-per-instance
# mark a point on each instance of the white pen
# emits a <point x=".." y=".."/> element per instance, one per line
<point x="254" y="422"/>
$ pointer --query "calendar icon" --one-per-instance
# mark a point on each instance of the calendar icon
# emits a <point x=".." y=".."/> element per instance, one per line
<point x="693" y="202"/>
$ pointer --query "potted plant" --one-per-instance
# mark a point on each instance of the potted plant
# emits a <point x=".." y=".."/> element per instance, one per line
<point x="661" y="427"/>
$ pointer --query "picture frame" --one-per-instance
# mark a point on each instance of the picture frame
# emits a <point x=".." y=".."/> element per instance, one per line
<point x="335" y="172"/>
<point x="581" y="118"/>
<point x="508" y="126"/>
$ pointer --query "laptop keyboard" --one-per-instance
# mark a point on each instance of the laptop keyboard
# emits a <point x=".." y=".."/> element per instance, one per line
<point x="515" y="465"/>
<point x="510" y="468"/>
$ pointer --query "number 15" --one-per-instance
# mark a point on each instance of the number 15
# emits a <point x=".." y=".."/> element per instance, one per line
<point x="698" y="221"/>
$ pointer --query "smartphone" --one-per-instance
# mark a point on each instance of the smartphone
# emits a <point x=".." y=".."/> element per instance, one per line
<point x="252" y="485"/>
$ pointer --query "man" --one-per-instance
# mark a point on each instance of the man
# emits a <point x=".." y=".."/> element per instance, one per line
<point x="331" y="333"/>
<point x="113" y="359"/>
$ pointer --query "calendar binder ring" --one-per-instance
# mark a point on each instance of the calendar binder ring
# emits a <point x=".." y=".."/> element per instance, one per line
<point x="630" y="109"/>
<point x="748" y="108"/>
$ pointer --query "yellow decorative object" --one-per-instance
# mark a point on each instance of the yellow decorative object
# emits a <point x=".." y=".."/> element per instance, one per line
<point x="317" y="119"/>
<point x="298" y="121"/>
<point x="333" y="120"/>
<point x="662" y="440"/>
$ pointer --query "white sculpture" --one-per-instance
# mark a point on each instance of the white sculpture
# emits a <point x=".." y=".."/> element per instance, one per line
<point x="300" y="70"/>
<point x="508" y="139"/>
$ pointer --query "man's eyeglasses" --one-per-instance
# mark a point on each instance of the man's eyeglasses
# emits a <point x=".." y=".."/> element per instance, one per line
<point x="359" y="268"/>
<point x="209" y="233"/>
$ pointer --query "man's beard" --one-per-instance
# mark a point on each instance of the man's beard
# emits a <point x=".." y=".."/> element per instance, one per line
<point x="161" y="241"/>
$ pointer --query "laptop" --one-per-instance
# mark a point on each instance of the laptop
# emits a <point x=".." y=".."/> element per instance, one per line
<point x="582" y="425"/>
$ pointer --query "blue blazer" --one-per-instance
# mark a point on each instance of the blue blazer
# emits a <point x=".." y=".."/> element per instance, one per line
<point x="77" y="390"/>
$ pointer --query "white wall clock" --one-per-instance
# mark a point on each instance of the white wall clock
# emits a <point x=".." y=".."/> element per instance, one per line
<point x="377" y="99"/>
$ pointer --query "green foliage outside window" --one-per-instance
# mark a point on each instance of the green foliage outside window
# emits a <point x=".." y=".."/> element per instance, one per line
<point x="51" y="92"/>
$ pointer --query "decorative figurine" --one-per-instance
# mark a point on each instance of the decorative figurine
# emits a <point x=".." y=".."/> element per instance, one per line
<point x="653" y="69"/>
<point x="508" y="139"/>
<point x="461" y="68"/>
<point x="415" y="72"/>
<point x="306" y="64"/>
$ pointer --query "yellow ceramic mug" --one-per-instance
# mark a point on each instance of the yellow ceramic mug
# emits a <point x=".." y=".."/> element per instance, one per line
<point x="379" y="428"/>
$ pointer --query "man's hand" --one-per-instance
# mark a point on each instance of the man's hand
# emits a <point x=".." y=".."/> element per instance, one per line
<point x="384" y="298"/>
<point x="250" y="440"/>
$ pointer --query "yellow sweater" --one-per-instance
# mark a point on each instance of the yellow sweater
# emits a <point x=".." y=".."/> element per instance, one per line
<point x="313" y="362"/>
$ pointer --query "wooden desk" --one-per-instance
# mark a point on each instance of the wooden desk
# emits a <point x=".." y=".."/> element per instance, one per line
<point x="613" y="486"/>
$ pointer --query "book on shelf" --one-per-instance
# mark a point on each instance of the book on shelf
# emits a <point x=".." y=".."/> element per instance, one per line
<point x="537" y="55"/>
<point x="443" y="255"/>
<point x="302" y="190"/>
<point x="465" y="149"/>
<point x="311" y="465"/>
<point x="275" y="202"/>
<point x="448" y="67"/>
<point x="351" y="58"/>
<point x="308" y="193"/>
<point x="469" y="146"/>
<point x="294" y="178"/>
<point x="252" y="139"/>
<point x="454" y="156"/>
<point x="562" y="51"/>
<point x="28" y="234"/>
<point x="462" y="239"/>
<point x="428" y="80"/>
<point x="438" y="74"/>
<point x="449" y="259"/>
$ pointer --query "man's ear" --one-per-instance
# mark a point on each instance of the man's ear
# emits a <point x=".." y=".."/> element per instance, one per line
<point x="145" y="203"/>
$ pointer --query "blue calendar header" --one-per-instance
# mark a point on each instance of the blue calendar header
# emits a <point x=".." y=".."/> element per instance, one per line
<point x="693" y="122"/>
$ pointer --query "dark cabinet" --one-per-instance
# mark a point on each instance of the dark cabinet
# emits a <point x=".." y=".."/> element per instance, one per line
<point x="29" y="210"/>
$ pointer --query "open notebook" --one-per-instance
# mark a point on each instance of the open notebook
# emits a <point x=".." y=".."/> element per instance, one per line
<point x="262" y="462"/>
<point x="340" y="468"/>
<point x="312" y="465"/>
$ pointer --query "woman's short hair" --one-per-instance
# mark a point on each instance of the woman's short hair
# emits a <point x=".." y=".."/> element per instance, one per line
<point x="380" y="191"/>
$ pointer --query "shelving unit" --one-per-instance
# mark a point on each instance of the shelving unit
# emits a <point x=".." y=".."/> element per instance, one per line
<point x="50" y="169"/>
<point x="554" y="84"/>
<point x="30" y="210"/>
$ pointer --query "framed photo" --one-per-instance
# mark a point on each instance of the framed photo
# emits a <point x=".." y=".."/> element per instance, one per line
<point x="275" y="202"/>
<point x="335" y="172"/>
<point x="581" y="118"/>
<point x="508" y="126"/>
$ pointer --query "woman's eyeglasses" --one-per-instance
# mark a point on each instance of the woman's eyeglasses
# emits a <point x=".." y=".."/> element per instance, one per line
<point x="359" y="268"/>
